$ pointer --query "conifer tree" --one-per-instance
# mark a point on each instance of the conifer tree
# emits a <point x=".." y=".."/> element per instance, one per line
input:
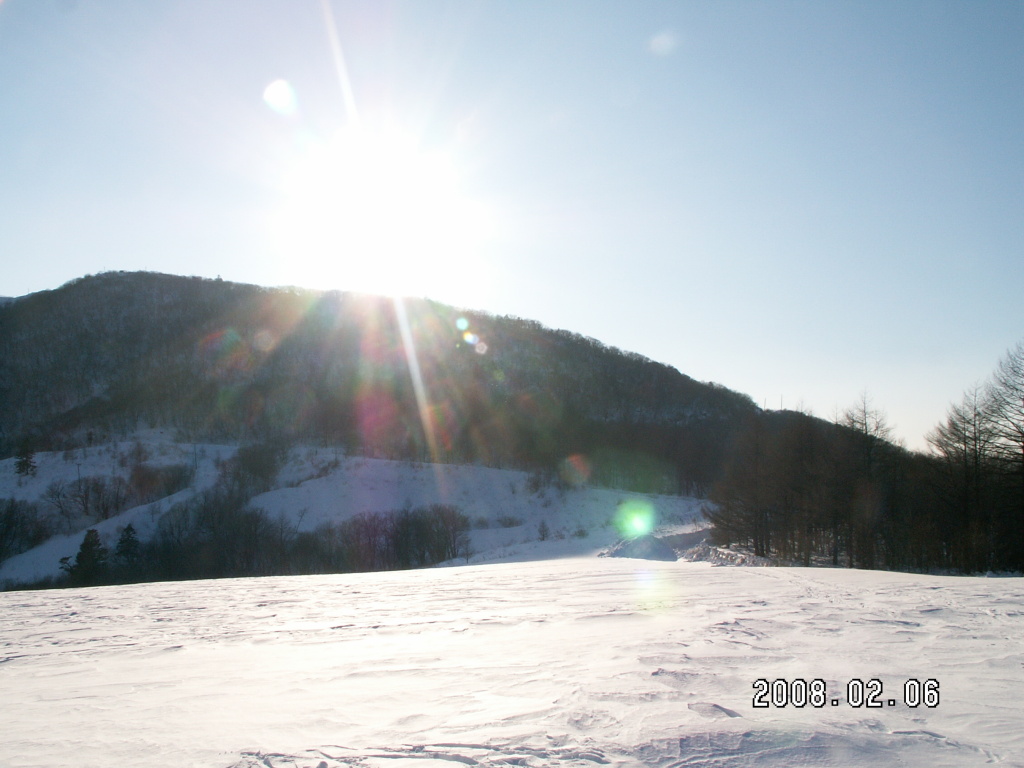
<point x="25" y="463"/>
<point x="90" y="563"/>
<point x="128" y="547"/>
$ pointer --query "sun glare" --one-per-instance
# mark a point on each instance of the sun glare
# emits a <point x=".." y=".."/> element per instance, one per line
<point x="369" y="210"/>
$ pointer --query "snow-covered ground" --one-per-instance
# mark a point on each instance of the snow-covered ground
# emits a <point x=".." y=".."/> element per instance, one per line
<point x="574" y="662"/>
<point x="537" y="653"/>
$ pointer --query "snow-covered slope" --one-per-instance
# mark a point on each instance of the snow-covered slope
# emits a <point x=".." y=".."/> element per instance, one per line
<point x="319" y="485"/>
<point x="575" y="662"/>
<point x="110" y="460"/>
<point x="505" y="509"/>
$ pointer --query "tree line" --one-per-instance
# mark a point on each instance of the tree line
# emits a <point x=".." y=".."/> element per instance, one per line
<point x="842" y="493"/>
<point x="980" y="449"/>
<point x="218" y="536"/>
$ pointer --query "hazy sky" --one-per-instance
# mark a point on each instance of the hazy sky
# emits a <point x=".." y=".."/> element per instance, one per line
<point x="798" y="200"/>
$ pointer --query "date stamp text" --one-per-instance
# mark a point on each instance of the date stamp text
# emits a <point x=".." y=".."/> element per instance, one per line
<point x="815" y="693"/>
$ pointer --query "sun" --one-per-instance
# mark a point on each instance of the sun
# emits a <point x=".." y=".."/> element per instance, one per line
<point x="371" y="210"/>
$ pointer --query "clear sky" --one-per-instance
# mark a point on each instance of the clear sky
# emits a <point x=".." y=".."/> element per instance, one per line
<point x="799" y="200"/>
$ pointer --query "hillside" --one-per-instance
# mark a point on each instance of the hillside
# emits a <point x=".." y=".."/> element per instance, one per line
<point x="193" y="520"/>
<point x="215" y="361"/>
<point x="235" y="429"/>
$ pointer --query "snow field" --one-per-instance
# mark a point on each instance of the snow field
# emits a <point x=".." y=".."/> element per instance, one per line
<point x="576" y="662"/>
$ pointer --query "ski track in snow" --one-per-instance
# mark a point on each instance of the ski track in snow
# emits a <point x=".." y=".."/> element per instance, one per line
<point x="574" y="662"/>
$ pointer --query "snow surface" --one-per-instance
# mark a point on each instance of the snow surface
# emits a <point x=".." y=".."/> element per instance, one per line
<point x="538" y="653"/>
<point x="575" y="662"/>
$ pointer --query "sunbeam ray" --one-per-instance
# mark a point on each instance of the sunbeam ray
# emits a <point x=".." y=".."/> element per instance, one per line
<point x="344" y="82"/>
<point x="420" y="390"/>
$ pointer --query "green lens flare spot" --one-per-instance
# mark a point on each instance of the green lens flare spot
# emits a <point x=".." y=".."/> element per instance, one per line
<point x="634" y="518"/>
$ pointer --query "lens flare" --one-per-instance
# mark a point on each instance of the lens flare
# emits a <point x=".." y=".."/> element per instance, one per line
<point x="280" y="97"/>
<point x="653" y="592"/>
<point x="264" y="341"/>
<point x="634" y="518"/>
<point x="663" y="43"/>
<point x="575" y="469"/>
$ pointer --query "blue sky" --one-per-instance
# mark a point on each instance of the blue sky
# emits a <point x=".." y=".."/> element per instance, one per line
<point x="799" y="200"/>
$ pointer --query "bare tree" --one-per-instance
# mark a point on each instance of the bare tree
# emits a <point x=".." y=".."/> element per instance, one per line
<point x="964" y="444"/>
<point x="58" y="495"/>
<point x="1006" y="392"/>
<point x="966" y="436"/>
<point x="873" y="458"/>
<point x="871" y="422"/>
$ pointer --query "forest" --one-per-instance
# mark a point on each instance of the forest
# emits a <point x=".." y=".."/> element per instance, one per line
<point x="218" y="361"/>
<point x="842" y="493"/>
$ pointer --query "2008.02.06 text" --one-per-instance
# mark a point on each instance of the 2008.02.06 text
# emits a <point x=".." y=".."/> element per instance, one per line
<point x="800" y="693"/>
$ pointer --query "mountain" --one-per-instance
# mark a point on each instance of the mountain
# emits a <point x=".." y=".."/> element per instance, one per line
<point x="213" y="360"/>
<point x="177" y="405"/>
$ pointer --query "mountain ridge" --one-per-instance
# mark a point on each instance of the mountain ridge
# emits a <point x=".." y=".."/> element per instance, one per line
<point x="217" y="360"/>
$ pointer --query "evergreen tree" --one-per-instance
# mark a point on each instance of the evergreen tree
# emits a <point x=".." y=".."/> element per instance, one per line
<point x="90" y="563"/>
<point x="128" y="547"/>
<point x="25" y="463"/>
